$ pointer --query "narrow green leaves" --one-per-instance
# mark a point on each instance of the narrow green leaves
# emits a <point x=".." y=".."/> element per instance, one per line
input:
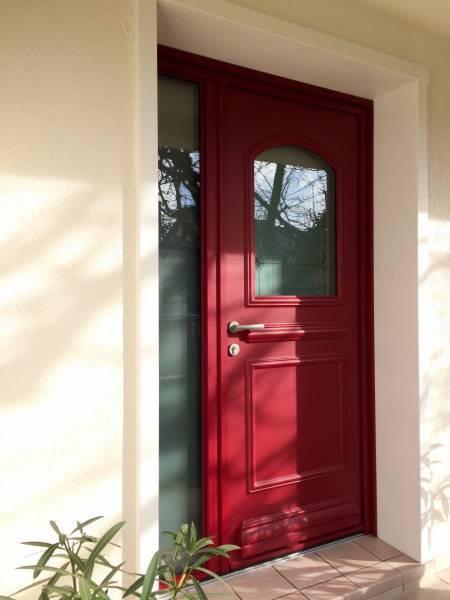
<point x="210" y="573"/>
<point x="81" y="526"/>
<point x="100" y="545"/>
<point x="85" y="589"/>
<point x="110" y="575"/>
<point x="44" y="560"/>
<point x="73" y="562"/>
<point x="150" y="576"/>
<point x="203" y="543"/>
<point x="134" y="586"/>
<point x="228" y="547"/>
<point x="199" y="589"/>
<point x="39" y="544"/>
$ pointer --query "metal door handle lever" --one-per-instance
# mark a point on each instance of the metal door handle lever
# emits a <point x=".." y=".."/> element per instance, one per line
<point x="234" y="327"/>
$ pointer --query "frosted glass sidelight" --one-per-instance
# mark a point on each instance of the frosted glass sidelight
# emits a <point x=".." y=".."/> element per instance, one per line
<point x="179" y="317"/>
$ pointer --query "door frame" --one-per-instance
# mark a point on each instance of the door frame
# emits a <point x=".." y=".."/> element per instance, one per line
<point x="203" y="70"/>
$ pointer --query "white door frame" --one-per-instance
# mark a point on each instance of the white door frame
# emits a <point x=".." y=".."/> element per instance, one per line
<point x="227" y="32"/>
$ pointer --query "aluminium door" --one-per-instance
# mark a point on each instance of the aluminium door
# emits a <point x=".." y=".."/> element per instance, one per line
<point x="290" y="268"/>
<point x="286" y="314"/>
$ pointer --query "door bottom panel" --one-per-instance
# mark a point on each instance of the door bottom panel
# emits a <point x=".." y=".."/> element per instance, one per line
<point x="288" y="528"/>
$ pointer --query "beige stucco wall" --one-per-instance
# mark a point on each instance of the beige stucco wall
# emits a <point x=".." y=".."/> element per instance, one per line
<point x="67" y="170"/>
<point x="354" y="23"/>
<point x="66" y="173"/>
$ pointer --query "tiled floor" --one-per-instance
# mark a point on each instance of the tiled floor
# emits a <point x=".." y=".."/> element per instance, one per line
<point x="362" y="568"/>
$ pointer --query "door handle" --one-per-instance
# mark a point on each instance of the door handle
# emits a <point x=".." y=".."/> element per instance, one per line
<point x="234" y="327"/>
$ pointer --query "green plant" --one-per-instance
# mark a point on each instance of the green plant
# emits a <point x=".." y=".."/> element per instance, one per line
<point x="177" y="570"/>
<point x="82" y="572"/>
<point x="71" y="564"/>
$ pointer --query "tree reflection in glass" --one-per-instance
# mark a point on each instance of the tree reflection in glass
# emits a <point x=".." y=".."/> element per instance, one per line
<point x="179" y="192"/>
<point x="294" y="224"/>
<point x="179" y="310"/>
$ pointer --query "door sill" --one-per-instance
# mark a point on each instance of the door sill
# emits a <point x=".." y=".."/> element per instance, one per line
<point x="278" y="559"/>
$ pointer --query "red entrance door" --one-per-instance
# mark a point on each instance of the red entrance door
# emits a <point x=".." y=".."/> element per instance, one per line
<point x="287" y="310"/>
<point x="291" y="267"/>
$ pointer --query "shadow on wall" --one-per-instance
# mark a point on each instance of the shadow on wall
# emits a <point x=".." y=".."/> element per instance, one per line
<point x="435" y="461"/>
<point x="66" y="173"/>
<point x="434" y="493"/>
<point x="61" y="365"/>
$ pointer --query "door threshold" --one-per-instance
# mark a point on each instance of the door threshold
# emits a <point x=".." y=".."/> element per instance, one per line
<point x="273" y="561"/>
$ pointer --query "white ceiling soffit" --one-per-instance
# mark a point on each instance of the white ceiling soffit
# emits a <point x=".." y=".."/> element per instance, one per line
<point x="432" y="16"/>
<point x="225" y="31"/>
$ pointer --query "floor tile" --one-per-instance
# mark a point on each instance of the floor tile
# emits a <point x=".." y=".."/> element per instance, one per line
<point x="429" y="590"/>
<point x="306" y="570"/>
<point x="264" y="583"/>
<point x="425" y="582"/>
<point x="376" y="580"/>
<point x="381" y="549"/>
<point x="335" y="589"/>
<point x="348" y="557"/>
<point x="218" y="590"/>
<point x="444" y="575"/>
<point x="408" y="567"/>
<point x="395" y="594"/>
<point x="442" y="563"/>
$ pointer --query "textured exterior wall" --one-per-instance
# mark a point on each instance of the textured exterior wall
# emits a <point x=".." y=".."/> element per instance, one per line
<point x="66" y="177"/>
<point x="356" y="24"/>
<point x="66" y="173"/>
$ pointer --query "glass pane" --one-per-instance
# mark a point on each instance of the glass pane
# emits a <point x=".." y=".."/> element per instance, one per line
<point x="294" y="215"/>
<point x="179" y="317"/>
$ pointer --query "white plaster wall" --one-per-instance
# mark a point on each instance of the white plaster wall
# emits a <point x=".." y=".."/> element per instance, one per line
<point x="357" y="24"/>
<point x="73" y="242"/>
<point x="66" y="177"/>
<point x="396" y="305"/>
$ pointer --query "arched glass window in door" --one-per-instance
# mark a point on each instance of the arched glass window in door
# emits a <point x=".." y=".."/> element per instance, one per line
<point x="295" y="223"/>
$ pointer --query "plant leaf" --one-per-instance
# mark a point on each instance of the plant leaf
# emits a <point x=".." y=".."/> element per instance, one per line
<point x="57" y="576"/>
<point x="193" y="533"/>
<point x="214" y="552"/>
<point x="50" y="569"/>
<point x="171" y="533"/>
<point x="199" y="589"/>
<point x="134" y="586"/>
<point x="84" y="524"/>
<point x="75" y="558"/>
<point x="32" y="585"/>
<point x="150" y="576"/>
<point x="100" y="545"/>
<point x="229" y="547"/>
<point x="46" y="556"/>
<point x="111" y="575"/>
<point x="102" y="560"/>
<point x="62" y="591"/>
<point x="202" y="543"/>
<point x="212" y="574"/>
<point x="182" y="531"/>
<point x="49" y="580"/>
<point x="55" y="527"/>
<point x="204" y="558"/>
<point x="91" y="539"/>
<point x="40" y="544"/>
<point x="85" y="590"/>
